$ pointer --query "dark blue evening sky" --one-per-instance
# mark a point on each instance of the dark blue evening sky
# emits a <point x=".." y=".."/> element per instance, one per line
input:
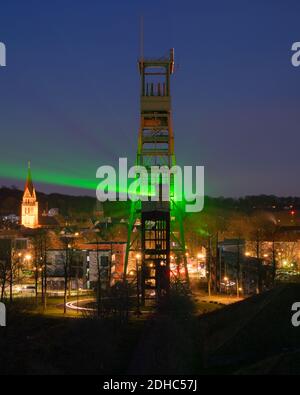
<point x="69" y="94"/>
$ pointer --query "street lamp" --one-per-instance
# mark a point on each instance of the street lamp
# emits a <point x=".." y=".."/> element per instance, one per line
<point x="226" y="279"/>
<point x="138" y="309"/>
<point x="27" y="259"/>
<point x="199" y="256"/>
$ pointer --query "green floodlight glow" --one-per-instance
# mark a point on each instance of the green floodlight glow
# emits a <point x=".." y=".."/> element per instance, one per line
<point x="64" y="179"/>
<point x="48" y="177"/>
<point x="59" y="179"/>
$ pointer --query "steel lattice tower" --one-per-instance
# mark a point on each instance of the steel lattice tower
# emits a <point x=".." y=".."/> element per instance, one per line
<point x="155" y="229"/>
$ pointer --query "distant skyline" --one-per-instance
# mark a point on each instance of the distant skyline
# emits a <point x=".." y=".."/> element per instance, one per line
<point x="69" y="95"/>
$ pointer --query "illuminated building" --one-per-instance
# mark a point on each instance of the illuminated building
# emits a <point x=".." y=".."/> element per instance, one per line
<point x="30" y="211"/>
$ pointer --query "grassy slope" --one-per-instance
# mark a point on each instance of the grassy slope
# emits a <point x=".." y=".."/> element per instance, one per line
<point x="251" y="331"/>
<point x="44" y="344"/>
<point x="252" y="336"/>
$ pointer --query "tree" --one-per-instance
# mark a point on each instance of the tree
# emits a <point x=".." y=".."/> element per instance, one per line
<point x="40" y="240"/>
<point x="9" y="265"/>
<point x="208" y="227"/>
<point x="4" y="276"/>
<point x="264" y="229"/>
<point x="239" y="228"/>
<point x="67" y="237"/>
<point x="101" y="231"/>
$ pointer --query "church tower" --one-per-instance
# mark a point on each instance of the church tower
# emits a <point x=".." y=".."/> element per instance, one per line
<point x="30" y="211"/>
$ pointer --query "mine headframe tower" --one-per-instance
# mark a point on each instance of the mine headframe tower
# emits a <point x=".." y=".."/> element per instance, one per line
<point x="155" y="229"/>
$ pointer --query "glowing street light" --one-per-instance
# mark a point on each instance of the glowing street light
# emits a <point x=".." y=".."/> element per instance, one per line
<point x="138" y="308"/>
<point x="226" y="285"/>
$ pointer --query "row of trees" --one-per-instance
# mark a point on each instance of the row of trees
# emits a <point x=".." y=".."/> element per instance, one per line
<point x="206" y="228"/>
<point x="36" y="261"/>
<point x="210" y="227"/>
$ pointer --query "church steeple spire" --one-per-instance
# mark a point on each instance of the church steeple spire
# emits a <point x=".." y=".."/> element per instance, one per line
<point x="29" y="203"/>
<point x="29" y="184"/>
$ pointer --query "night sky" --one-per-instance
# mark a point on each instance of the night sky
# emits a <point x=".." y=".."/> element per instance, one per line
<point x="69" y="96"/>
